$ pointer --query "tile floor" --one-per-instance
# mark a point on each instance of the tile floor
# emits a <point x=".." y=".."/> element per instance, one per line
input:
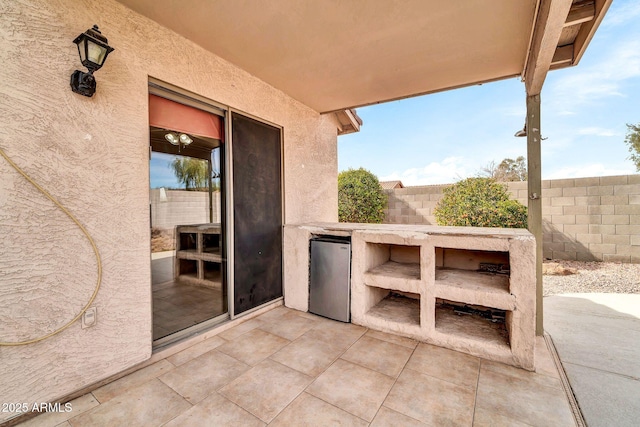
<point x="177" y="306"/>
<point x="288" y="368"/>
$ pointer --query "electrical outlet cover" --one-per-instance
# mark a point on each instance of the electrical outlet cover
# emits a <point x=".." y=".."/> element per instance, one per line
<point x="90" y="317"/>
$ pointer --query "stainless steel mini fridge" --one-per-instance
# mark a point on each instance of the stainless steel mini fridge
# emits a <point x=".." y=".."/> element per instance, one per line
<point x="329" y="279"/>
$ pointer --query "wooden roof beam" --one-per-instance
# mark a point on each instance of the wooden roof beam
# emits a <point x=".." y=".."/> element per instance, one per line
<point x="581" y="11"/>
<point x="563" y="57"/>
<point x="548" y="27"/>
<point x="588" y="29"/>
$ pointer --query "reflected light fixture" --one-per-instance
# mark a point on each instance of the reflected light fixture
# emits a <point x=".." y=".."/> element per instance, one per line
<point x="176" y="139"/>
<point x="172" y="138"/>
<point x="93" y="50"/>
<point x="522" y="132"/>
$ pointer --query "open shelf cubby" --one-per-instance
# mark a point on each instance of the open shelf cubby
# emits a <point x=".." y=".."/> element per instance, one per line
<point x="211" y="243"/>
<point x="472" y="280"/>
<point x="473" y="289"/>
<point x="473" y="260"/>
<point x="397" y="307"/>
<point x="188" y="268"/>
<point x="198" y="254"/>
<point x="188" y="241"/>
<point x="395" y="261"/>
<point x="477" y="323"/>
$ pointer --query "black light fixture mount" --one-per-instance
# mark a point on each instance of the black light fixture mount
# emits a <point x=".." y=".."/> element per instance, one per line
<point x="522" y="132"/>
<point x="93" y="49"/>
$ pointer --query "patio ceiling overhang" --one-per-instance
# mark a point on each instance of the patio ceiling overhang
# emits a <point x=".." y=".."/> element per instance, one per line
<point x="333" y="55"/>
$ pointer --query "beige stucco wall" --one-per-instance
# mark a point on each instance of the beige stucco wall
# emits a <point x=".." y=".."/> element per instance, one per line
<point x="92" y="155"/>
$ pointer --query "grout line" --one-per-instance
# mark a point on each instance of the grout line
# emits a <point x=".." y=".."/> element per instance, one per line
<point x="604" y="371"/>
<point x="573" y="402"/>
<point x="440" y="379"/>
<point x="327" y="368"/>
<point x="331" y="404"/>
<point x="313" y="379"/>
<point x="240" y="407"/>
<point x="395" y="380"/>
<point x="475" y="394"/>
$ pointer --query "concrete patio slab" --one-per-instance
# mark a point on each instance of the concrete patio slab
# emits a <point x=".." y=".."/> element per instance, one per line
<point x="597" y="337"/>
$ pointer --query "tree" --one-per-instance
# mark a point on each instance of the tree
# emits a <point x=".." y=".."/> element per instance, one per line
<point x="480" y="202"/>
<point x="633" y="141"/>
<point x="360" y="197"/>
<point x="507" y="170"/>
<point x="191" y="172"/>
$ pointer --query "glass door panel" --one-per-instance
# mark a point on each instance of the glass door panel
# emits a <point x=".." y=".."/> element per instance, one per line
<point x="188" y="261"/>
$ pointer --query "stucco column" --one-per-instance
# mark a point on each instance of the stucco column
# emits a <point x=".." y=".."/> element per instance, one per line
<point x="534" y="190"/>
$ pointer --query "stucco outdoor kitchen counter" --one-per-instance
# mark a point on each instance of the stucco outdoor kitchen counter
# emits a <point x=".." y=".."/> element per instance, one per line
<point x="466" y="288"/>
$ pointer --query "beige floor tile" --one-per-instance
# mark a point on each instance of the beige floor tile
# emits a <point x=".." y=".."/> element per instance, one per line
<point x="353" y="388"/>
<point x="395" y="339"/>
<point x="289" y="326"/>
<point x="203" y="375"/>
<point x="218" y="411"/>
<point x="152" y="403"/>
<point x="448" y="365"/>
<point x="196" y="350"/>
<point x="381" y="356"/>
<point x="336" y="333"/>
<point x="141" y="376"/>
<point x="309" y="411"/>
<point x="254" y="346"/>
<point x="307" y="355"/>
<point x="485" y="418"/>
<point x="243" y="328"/>
<point x="50" y="419"/>
<point x="523" y="399"/>
<point x="274" y="314"/>
<point x="389" y="418"/>
<point x="533" y="377"/>
<point x="266" y="389"/>
<point x="64" y="424"/>
<point x="431" y="400"/>
<point x="544" y="362"/>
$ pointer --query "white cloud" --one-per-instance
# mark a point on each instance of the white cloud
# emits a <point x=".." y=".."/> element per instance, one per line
<point x="622" y="14"/>
<point x="584" y="171"/>
<point x="448" y="171"/>
<point x="602" y="80"/>
<point x="597" y="131"/>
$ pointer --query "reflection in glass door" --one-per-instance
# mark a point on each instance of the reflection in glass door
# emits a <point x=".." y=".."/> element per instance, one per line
<point x="187" y="230"/>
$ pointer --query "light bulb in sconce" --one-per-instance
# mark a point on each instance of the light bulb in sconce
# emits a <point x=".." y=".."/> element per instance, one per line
<point x="172" y="138"/>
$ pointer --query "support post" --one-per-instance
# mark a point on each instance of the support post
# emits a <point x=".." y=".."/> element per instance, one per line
<point x="534" y="190"/>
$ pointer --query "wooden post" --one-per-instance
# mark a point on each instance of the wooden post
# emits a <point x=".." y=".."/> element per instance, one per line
<point x="534" y="190"/>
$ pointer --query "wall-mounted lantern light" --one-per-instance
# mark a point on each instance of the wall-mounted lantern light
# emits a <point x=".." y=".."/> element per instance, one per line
<point x="93" y="50"/>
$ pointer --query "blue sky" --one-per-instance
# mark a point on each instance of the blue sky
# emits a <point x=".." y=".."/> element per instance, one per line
<point x="443" y="137"/>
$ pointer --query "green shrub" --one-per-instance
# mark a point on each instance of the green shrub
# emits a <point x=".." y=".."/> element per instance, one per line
<point x="480" y="202"/>
<point x="360" y="197"/>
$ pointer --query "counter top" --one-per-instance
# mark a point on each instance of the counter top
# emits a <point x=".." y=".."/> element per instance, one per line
<point x="345" y="229"/>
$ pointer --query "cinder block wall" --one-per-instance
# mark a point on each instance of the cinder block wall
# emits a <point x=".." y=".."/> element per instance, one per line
<point x="179" y="207"/>
<point x="586" y="219"/>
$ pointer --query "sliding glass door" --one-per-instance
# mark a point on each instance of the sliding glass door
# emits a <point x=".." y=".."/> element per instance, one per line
<point x="188" y="261"/>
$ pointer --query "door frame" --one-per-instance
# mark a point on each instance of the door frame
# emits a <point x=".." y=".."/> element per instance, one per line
<point x="174" y="93"/>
